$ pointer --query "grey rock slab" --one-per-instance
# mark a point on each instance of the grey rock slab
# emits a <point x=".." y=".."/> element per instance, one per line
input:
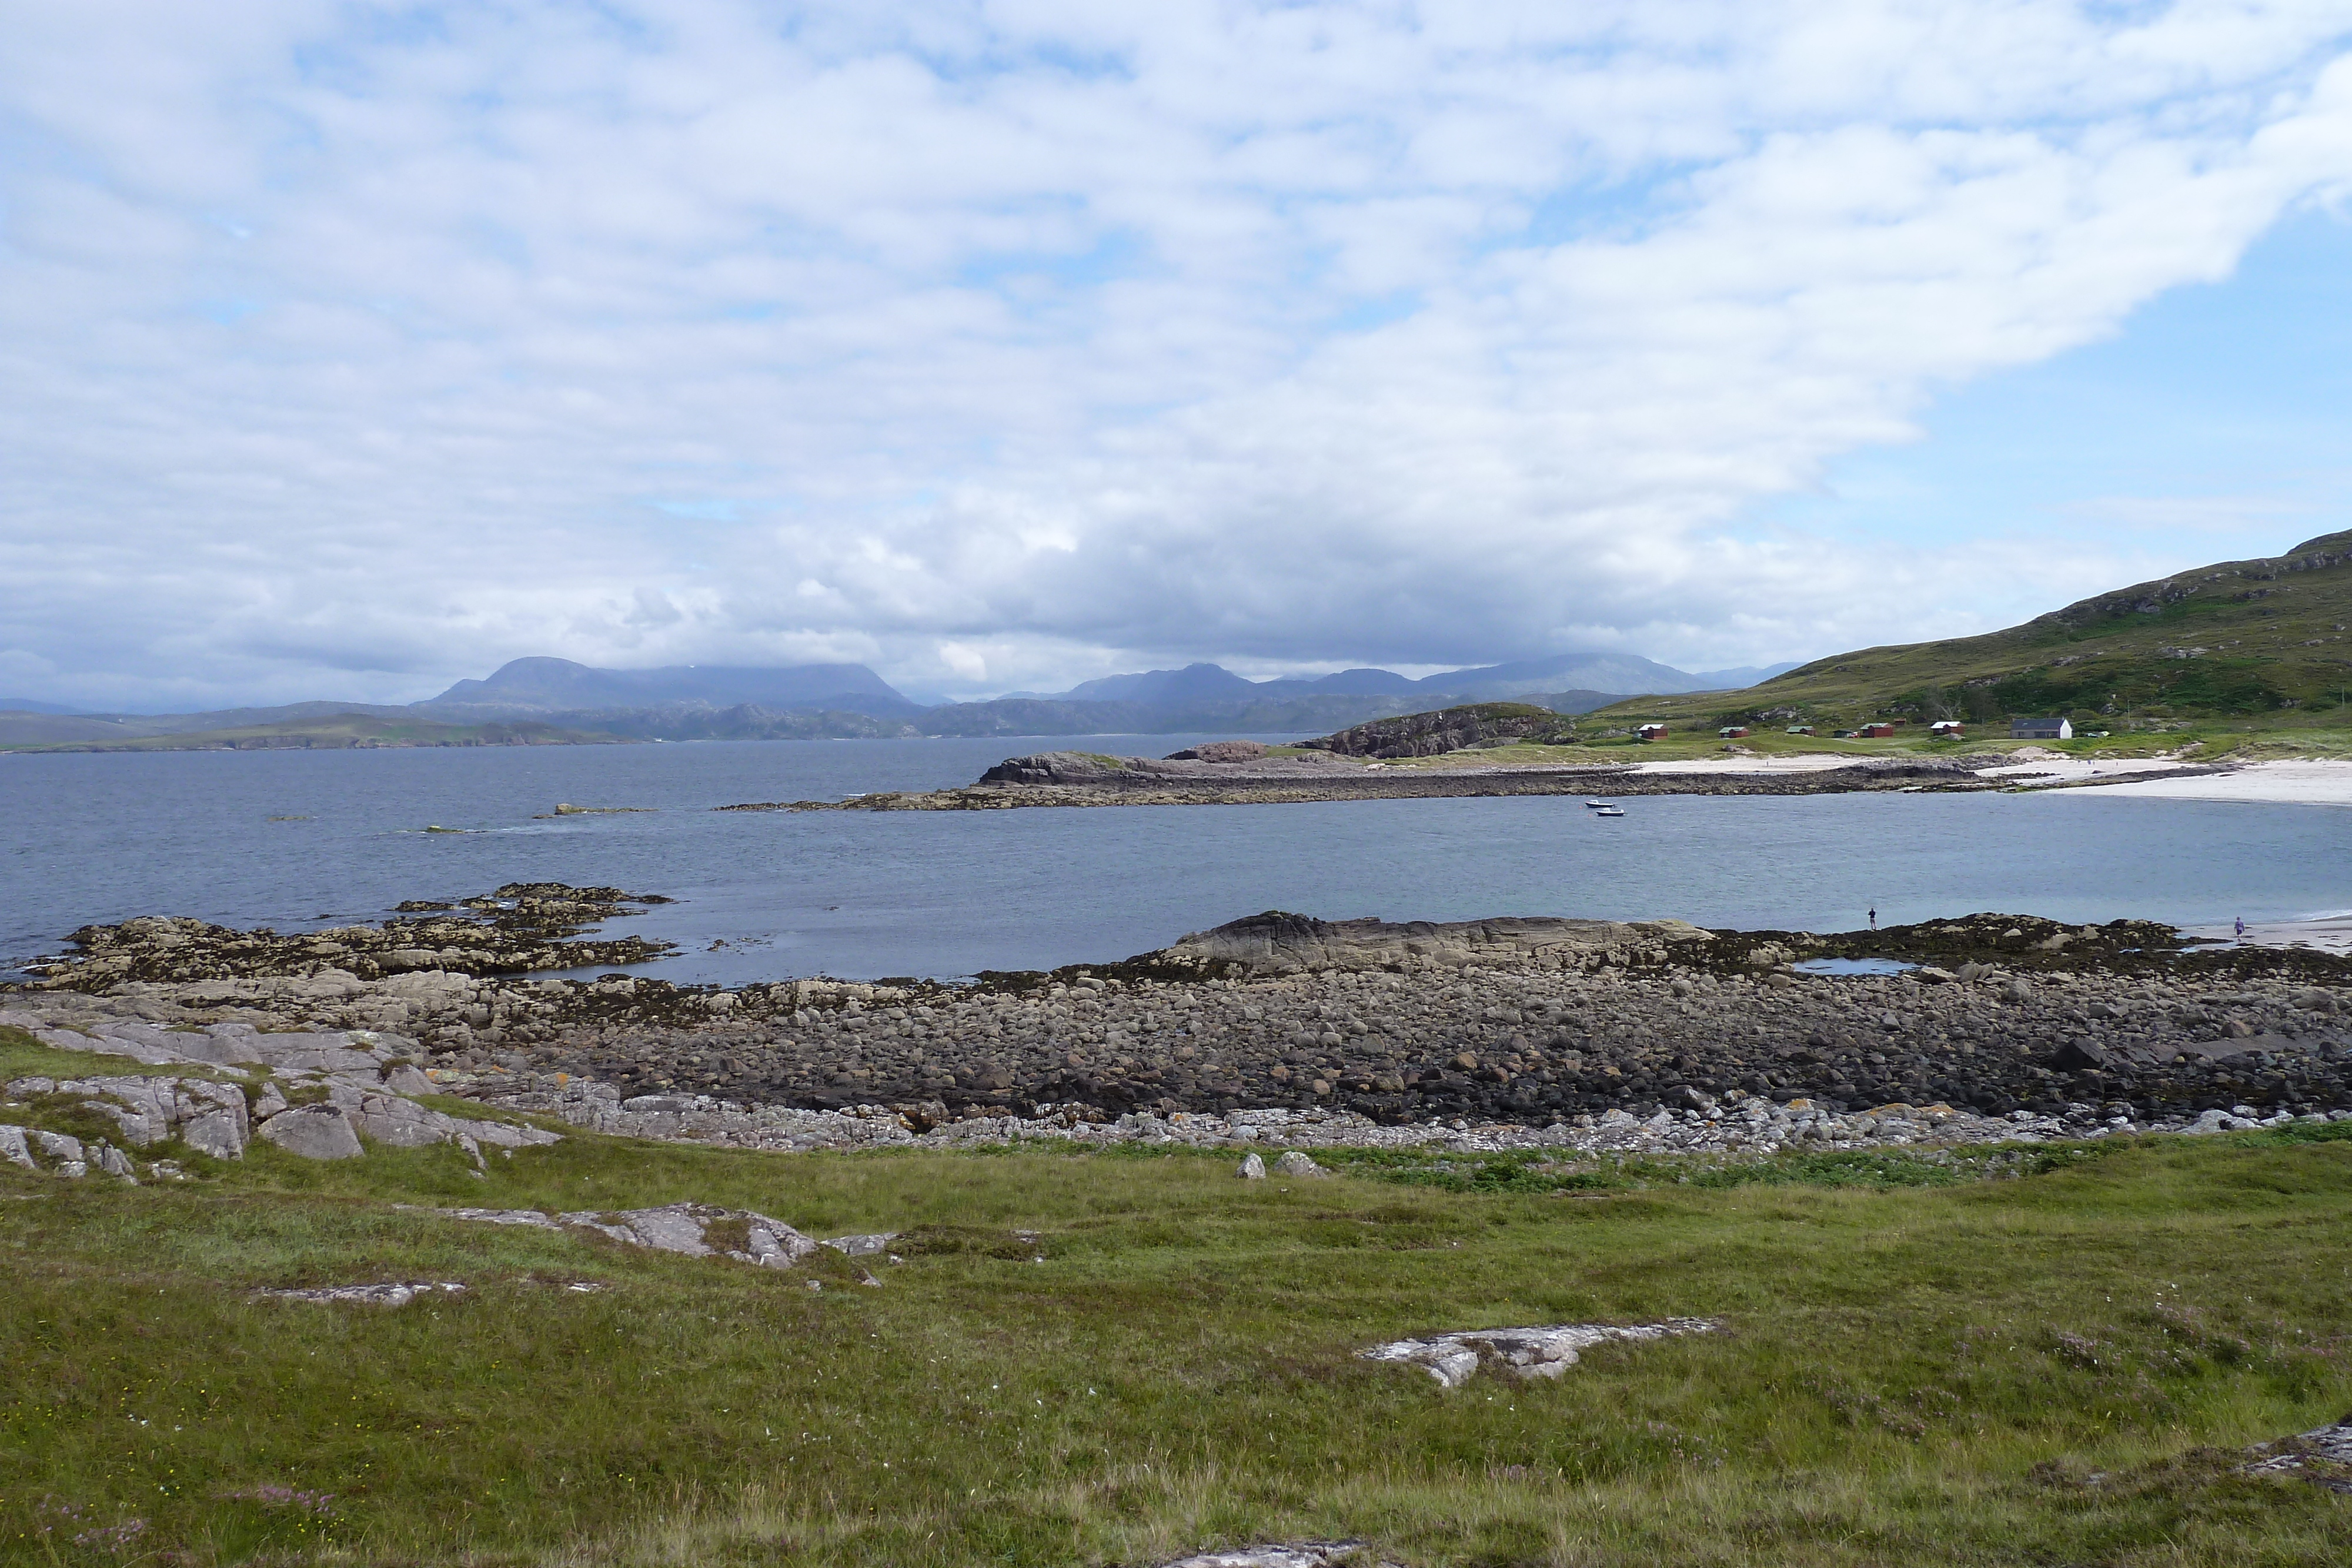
<point x="1544" y="1352"/>
<point x="530" y="1216"/>
<point x="315" y="1132"/>
<point x="681" y="1227"/>
<point x="57" y="1146"/>
<point x="140" y="1128"/>
<point x="1298" y="1554"/>
<point x="407" y="1079"/>
<point x="220" y="1134"/>
<point x="2323" y="1455"/>
<point x="1294" y="1163"/>
<point x="1251" y="1168"/>
<point x="14" y="1148"/>
<point x="862" y="1246"/>
<point x="397" y="1295"/>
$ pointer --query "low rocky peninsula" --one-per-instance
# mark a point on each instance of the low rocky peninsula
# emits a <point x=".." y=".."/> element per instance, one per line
<point x="1246" y="773"/>
<point x="1500" y="1032"/>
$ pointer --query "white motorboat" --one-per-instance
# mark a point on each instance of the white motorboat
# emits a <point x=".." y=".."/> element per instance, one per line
<point x="1598" y="805"/>
<point x="1609" y="812"/>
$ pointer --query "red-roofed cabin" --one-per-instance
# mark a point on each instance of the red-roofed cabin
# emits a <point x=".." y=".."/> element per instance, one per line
<point x="1876" y="732"/>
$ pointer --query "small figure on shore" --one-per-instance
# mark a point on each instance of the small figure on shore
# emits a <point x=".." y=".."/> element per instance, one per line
<point x="2242" y="928"/>
<point x="1873" y="919"/>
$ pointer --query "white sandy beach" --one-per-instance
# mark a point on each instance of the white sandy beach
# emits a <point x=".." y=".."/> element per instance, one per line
<point x="2305" y="782"/>
<point x="2296" y="783"/>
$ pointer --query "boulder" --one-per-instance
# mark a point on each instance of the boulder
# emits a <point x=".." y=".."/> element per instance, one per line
<point x="2076" y="1055"/>
<point x="1251" y="1168"/>
<point x="1294" y="1163"/>
<point x="315" y="1132"/>
<point x="59" y="1146"/>
<point x="13" y="1147"/>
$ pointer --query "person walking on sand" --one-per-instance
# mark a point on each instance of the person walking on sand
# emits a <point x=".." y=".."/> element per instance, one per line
<point x="2242" y="928"/>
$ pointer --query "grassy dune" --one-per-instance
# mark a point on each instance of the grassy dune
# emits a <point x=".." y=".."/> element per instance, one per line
<point x="2057" y="1366"/>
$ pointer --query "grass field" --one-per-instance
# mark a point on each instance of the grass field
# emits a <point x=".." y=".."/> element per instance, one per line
<point x="2051" y="1358"/>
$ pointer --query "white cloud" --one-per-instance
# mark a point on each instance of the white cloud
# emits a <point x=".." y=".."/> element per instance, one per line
<point x="356" y="350"/>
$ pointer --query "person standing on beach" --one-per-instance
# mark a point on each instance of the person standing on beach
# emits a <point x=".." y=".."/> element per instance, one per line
<point x="1873" y="921"/>
<point x="2242" y="928"/>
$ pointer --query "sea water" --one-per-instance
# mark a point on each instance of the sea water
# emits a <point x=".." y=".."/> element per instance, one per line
<point x="299" y="838"/>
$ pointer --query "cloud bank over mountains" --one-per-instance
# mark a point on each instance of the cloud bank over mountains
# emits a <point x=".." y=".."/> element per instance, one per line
<point x="998" y="345"/>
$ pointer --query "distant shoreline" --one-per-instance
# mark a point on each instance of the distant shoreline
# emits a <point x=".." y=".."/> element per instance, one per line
<point x="1078" y="780"/>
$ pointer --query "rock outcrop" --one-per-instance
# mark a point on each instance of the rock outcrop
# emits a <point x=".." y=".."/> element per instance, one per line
<point x="1449" y="729"/>
<point x="1451" y="1358"/>
<point x="310" y="1094"/>
<point x="694" y="1230"/>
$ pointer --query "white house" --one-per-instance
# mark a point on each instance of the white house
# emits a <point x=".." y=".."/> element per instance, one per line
<point x="2041" y="730"/>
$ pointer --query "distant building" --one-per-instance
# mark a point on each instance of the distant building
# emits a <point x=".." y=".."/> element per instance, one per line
<point x="1800" y="729"/>
<point x="1732" y="731"/>
<point x="1947" y="729"/>
<point x="1881" y="731"/>
<point x="1651" y="732"/>
<point x="2041" y="730"/>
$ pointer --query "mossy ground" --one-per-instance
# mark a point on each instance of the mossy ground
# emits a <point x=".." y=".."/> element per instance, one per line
<point x="1918" y="1364"/>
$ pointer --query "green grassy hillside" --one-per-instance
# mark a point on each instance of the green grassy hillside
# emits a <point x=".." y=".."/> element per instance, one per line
<point x="2268" y="641"/>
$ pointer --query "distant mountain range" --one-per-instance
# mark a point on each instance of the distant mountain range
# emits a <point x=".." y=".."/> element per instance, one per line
<point x="712" y="702"/>
<point x="1626" y="673"/>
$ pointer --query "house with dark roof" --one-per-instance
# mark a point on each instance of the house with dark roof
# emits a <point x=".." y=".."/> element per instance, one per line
<point x="2041" y="730"/>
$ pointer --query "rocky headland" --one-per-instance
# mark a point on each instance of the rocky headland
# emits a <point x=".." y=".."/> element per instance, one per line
<point x="1390" y="760"/>
<point x="1090" y="778"/>
<point x="1514" y="1032"/>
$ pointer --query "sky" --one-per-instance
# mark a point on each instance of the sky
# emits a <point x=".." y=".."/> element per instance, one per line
<point x="347" y="351"/>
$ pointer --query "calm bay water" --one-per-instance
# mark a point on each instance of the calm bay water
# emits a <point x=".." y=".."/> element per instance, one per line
<point x="103" y="838"/>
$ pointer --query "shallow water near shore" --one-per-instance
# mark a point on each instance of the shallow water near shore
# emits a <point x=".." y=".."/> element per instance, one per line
<point x="297" y="838"/>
